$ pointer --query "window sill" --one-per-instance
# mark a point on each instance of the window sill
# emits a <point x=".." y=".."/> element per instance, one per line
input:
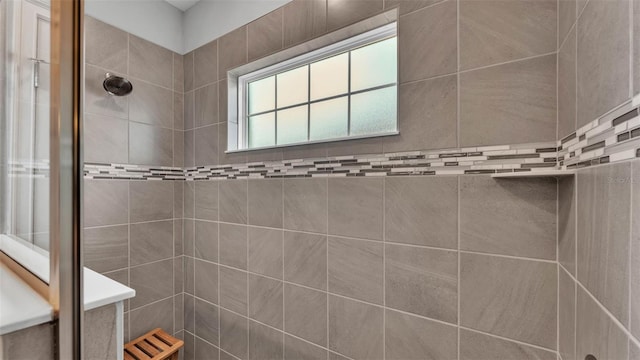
<point x="392" y="133"/>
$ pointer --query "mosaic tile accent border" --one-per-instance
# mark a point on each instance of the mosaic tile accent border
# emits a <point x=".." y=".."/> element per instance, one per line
<point x="614" y="137"/>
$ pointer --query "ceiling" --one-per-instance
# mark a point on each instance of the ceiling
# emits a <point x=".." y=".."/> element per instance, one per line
<point x="183" y="5"/>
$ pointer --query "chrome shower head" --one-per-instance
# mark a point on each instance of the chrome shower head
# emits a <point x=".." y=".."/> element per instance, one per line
<point x="117" y="85"/>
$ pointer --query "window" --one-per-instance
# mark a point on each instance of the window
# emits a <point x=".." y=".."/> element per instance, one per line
<point x="341" y="91"/>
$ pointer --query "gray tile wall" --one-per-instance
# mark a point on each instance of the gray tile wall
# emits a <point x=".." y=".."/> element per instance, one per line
<point x="133" y="234"/>
<point x="133" y="230"/>
<point x="292" y="275"/>
<point x="382" y="268"/>
<point x="493" y="83"/>
<point x="139" y="128"/>
<point x="594" y="55"/>
<point x="599" y="263"/>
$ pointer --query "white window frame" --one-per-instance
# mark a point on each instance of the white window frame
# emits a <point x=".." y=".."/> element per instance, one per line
<point x="238" y="119"/>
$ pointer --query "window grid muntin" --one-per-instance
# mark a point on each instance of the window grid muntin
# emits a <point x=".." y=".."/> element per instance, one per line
<point x="380" y="34"/>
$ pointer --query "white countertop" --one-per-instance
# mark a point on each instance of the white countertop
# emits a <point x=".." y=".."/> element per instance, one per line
<point x="22" y="307"/>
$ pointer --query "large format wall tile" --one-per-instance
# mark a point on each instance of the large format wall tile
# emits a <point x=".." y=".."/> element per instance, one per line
<point x="265" y="342"/>
<point x="233" y="245"/>
<point x="635" y="252"/>
<point x="150" y="62"/>
<point x="265" y="252"/>
<point x="493" y="32"/>
<point x="106" y="248"/>
<point x="509" y="297"/>
<point x="596" y="333"/>
<point x="150" y="145"/>
<point x="296" y="349"/>
<point x="515" y="101"/>
<point x="266" y="300"/>
<point x="206" y="321"/>
<point x="303" y="20"/>
<point x="567" y="85"/>
<point x="206" y="145"/>
<point x="178" y="73"/>
<point x="356" y="269"/>
<point x="151" y="241"/>
<point x="343" y="13"/>
<point x="509" y="217"/>
<point x="567" y="223"/>
<point x="566" y="316"/>
<point x="205" y="350"/>
<point x="188" y="71"/>
<point x="189" y="110"/>
<point x="106" y="140"/>
<point x="233" y="290"/>
<point x="410" y="337"/>
<point x="422" y="281"/>
<point x="106" y="202"/>
<point x="206" y="200"/>
<point x="427" y="42"/>
<point x="422" y="211"/>
<point x="264" y="35"/>
<point x="234" y="334"/>
<point x="151" y="200"/>
<point x="305" y="313"/>
<point x="234" y="47"/>
<point x="428" y="116"/>
<point x="355" y="329"/>
<point x="178" y="111"/>
<point x="105" y="46"/>
<point x="356" y="207"/>
<point x="604" y="208"/>
<point x="603" y="58"/>
<point x="305" y="205"/>
<point x="567" y="12"/>
<point x="151" y="317"/>
<point x="152" y="282"/>
<point x="476" y="346"/>
<point x="265" y="203"/>
<point x="206" y="240"/>
<point x="305" y="259"/>
<point x="206" y="281"/>
<point x="151" y="104"/>
<point x="206" y="105"/>
<point x="205" y="64"/>
<point x="233" y="201"/>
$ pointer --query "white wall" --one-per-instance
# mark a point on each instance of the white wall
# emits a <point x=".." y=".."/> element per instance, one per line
<point x="210" y="19"/>
<point x="159" y="22"/>
<point x="153" y="20"/>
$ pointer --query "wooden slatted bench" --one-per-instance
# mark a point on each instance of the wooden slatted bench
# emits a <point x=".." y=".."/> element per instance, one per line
<point x="154" y="345"/>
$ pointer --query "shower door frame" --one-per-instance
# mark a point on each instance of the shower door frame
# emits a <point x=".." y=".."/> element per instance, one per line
<point x="66" y="266"/>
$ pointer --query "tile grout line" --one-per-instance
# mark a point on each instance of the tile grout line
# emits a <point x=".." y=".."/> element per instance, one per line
<point x="459" y="285"/>
<point x="458" y="182"/>
<point x="284" y="288"/>
<point x="384" y="269"/>
<point x="327" y="261"/>
<point x="611" y="317"/>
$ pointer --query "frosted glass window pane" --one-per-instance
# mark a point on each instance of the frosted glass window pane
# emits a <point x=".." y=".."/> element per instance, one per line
<point x="330" y="77"/>
<point x="329" y="119"/>
<point x="374" y="112"/>
<point x="262" y="130"/>
<point x="293" y="87"/>
<point x="262" y="95"/>
<point x="374" y="65"/>
<point x="292" y="125"/>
